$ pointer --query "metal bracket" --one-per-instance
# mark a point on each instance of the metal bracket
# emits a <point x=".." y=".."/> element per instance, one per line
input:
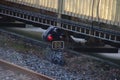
<point x="58" y="45"/>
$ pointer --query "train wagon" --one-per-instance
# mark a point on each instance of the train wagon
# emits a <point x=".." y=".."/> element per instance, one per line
<point x="70" y="15"/>
<point x="105" y="11"/>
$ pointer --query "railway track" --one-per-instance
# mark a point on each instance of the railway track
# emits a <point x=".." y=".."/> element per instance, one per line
<point x="40" y="43"/>
<point x="75" y="51"/>
<point x="24" y="71"/>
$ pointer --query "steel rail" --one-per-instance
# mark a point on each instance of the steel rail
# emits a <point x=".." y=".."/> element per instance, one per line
<point x="14" y="67"/>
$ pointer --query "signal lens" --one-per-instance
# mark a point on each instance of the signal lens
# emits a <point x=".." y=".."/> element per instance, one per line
<point x="50" y="37"/>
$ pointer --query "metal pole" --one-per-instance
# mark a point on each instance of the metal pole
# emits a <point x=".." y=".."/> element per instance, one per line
<point x="60" y="9"/>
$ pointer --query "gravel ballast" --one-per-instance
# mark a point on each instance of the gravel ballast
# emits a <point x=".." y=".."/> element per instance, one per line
<point x="35" y="63"/>
<point x="76" y="68"/>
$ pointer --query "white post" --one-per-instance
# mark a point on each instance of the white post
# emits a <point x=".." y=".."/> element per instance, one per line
<point x="60" y="9"/>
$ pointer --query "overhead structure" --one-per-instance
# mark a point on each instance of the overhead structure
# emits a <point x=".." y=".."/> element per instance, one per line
<point x="57" y="13"/>
<point x="106" y="11"/>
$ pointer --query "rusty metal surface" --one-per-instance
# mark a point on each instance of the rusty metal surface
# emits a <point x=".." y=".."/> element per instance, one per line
<point x="16" y="68"/>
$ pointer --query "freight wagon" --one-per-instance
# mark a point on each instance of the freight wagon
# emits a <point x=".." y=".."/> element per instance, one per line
<point x="105" y="11"/>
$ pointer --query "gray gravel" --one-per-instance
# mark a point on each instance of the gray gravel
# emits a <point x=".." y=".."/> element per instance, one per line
<point x="76" y="68"/>
<point x="35" y="63"/>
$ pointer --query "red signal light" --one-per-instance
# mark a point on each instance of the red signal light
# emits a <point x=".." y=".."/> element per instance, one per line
<point x="50" y="37"/>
